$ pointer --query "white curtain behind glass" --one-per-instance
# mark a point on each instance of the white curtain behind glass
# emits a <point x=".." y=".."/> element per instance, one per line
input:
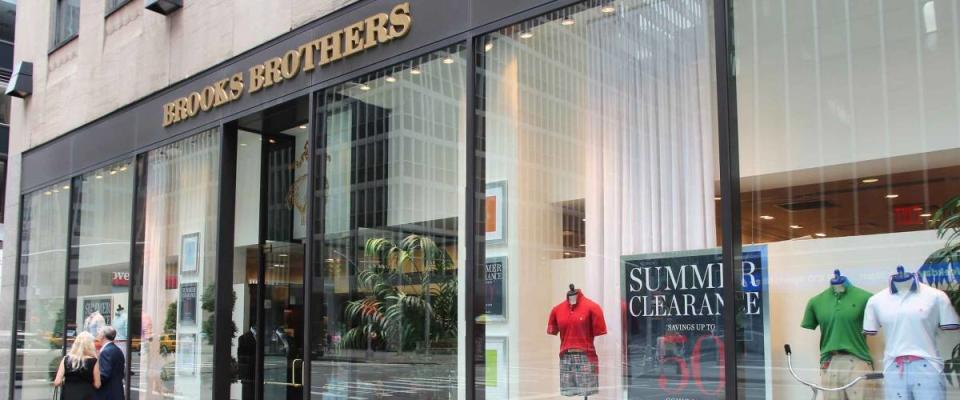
<point x="614" y="110"/>
<point x="651" y="160"/>
<point x="181" y="189"/>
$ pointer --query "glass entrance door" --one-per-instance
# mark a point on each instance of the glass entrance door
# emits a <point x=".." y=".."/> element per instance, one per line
<point x="269" y="256"/>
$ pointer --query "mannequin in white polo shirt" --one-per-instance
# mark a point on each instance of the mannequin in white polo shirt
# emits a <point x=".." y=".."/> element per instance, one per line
<point x="911" y="315"/>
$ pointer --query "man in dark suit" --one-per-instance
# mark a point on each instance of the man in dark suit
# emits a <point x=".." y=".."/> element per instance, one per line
<point x="112" y="367"/>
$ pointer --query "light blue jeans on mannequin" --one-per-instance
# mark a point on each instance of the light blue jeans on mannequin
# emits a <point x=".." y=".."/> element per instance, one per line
<point x="917" y="380"/>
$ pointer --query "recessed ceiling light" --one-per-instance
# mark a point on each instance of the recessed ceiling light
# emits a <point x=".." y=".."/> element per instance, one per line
<point x="415" y="71"/>
<point x="278" y="265"/>
<point x="870" y="180"/>
<point x="329" y="260"/>
<point x="303" y="126"/>
<point x="766" y="217"/>
<point x="114" y="172"/>
<point x="448" y="60"/>
<point x="66" y="187"/>
<point x="568" y="21"/>
<point x="607" y="9"/>
<point x="488" y="46"/>
<point x="272" y="141"/>
<point x="390" y="79"/>
<point x="796" y="227"/>
<point x="820" y="234"/>
<point x="364" y="87"/>
<point x="717" y="198"/>
<point x="283" y="255"/>
<point x="48" y="193"/>
<point x="123" y="168"/>
<point x="243" y="144"/>
<point x="56" y="190"/>
<point x="526" y="35"/>
<point x="99" y="176"/>
<point x="926" y="215"/>
<point x="892" y="196"/>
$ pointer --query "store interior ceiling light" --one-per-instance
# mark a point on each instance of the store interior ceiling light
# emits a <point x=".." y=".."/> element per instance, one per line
<point x="892" y="196"/>
<point x="390" y="79"/>
<point x="448" y="60"/>
<point x="364" y="87"/>
<point x="820" y="234"/>
<point x="488" y="47"/>
<point x="796" y="227"/>
<point x="607" y="9"/>
<point x="568" y="21"/>
<point x="415" y="71"/>
<point x="526" y="35"/>
<point x="165" y="7"/>
<point x="766" y="217"/>
<point x="870" y="180"/>
<point x="926" y="215"/>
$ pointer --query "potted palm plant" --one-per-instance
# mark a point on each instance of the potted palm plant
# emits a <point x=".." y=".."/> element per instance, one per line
<point x="942" y="270"/>
<point x="410" y="296"/>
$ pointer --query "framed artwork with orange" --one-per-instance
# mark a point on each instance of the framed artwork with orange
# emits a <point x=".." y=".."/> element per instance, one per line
<point x="495" y="209"/>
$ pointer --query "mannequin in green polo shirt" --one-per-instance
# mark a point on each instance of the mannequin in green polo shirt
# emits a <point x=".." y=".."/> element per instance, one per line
<point x="844" y="355"/>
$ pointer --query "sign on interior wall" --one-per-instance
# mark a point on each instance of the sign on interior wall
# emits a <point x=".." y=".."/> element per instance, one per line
<point x="188" y="304"/>
<point x="674" y="308"/>
<point x="494" y="289"/>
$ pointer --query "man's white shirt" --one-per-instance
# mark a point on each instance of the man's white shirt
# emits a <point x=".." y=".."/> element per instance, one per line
<point x="911" y="320"/>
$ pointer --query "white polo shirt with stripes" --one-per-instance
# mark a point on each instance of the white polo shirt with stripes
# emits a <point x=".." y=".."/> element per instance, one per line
<point x="911" y="320"/>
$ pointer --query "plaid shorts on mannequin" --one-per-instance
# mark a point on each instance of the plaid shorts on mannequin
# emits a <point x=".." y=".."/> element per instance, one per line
<point x="578" y="376"/>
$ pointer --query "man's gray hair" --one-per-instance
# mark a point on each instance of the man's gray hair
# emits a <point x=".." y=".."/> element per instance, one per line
<point x="109" y="333"/>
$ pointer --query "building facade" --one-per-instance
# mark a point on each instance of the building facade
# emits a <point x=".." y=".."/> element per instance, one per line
<point x="434" y="199"/>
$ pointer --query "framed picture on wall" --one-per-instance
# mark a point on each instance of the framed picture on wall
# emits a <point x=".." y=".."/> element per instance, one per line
<point x="495" y="208"/>
<point x="186" y="351"/>
<point x="495" y="289"/>
<point x="188" y="303"/>
<point x="495" y="374"/>
<point x="189" y="252"/>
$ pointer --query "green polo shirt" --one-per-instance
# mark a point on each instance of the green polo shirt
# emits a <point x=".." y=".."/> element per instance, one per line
<point x="840" y="317"/>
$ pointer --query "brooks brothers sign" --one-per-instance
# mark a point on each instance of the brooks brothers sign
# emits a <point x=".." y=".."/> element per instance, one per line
<point x="372" y="31"/>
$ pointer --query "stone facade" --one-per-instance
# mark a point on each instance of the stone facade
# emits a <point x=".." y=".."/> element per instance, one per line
<point x="114" y="61"/>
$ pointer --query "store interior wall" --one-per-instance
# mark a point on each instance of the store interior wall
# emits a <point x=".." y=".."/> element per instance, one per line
<point x="835" y="92"/>
<point x="802" y="268"/>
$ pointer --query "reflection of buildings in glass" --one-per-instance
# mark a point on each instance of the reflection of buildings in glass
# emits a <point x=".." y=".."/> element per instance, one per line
<point x="390" y="172"/>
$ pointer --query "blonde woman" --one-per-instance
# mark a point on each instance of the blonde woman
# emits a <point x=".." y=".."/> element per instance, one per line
<point x="79" y="372"/>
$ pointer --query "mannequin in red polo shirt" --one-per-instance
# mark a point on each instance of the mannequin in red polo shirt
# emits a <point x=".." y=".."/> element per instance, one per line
<point x="578" y="320"/>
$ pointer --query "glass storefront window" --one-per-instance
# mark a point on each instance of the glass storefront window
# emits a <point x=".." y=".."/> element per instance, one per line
<point x="850" y="168"/>
<point x="40" y="306"/>
<point x="172" y="310"/>
<point x="270" y="232"/>
<point x="386" y="282"/>
<point x="601" y="176"/>
<point x="99" y="277"/>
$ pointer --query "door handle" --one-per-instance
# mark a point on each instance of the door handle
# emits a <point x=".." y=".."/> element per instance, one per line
<point x="293" y="372"/>
<point x="293" y="378"/>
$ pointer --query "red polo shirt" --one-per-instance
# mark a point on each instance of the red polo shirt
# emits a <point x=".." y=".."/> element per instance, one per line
<point x="577" y="325"/>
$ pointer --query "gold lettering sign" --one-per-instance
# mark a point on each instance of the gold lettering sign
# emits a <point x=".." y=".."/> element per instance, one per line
<point x="355" y="38"/>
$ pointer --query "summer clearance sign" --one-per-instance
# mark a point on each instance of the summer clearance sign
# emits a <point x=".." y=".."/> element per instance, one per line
<point x="673" y="311"/>
<point x="373" y="31"/>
